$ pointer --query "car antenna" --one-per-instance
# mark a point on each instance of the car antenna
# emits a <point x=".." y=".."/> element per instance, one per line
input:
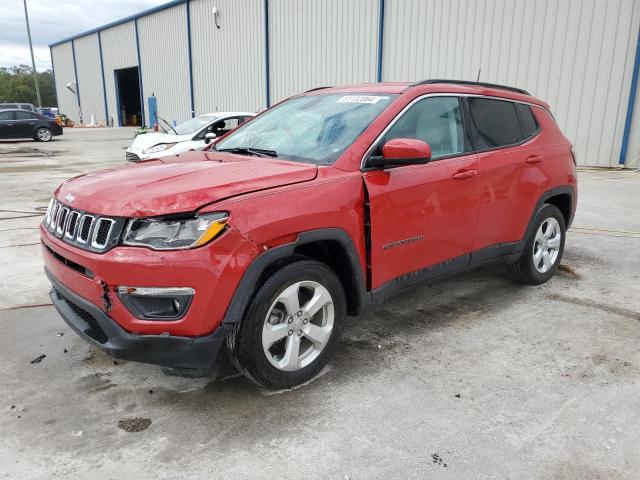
<point x="478" y="79"/>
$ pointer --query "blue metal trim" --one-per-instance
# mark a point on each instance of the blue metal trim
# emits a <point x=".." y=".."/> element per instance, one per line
<point x="75" y="73"/>
<point x="144" y="13"/>
<point x="193" y="107"/>
<point x="116" y="83"/>
<point x="380" y="39"/>
<point x="104" y="84"/>
<point x="630" y="105"/>
<point x="140" y="74"/>
<point x="266" y="54"/>
<point x="53" y="72"/>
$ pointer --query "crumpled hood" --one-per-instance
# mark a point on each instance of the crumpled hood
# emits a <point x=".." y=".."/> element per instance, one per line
<point x="177" y="184"/>
<point x="150" y="139"/>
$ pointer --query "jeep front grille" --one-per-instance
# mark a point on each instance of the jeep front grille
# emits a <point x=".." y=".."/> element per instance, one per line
<point x="82" y="229"/>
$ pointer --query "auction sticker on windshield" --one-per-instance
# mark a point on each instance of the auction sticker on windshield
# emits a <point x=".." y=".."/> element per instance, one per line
<point x="360" y="99"/>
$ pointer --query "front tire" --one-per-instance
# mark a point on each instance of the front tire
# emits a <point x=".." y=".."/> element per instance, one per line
<point x="43" y="134"/>
<point x="543" y="248"/>
<point x="291" y="327"/>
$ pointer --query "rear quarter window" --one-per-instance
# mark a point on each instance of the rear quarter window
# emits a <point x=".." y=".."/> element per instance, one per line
<point x="527" y="120"/>
<point x="496" y="122"/>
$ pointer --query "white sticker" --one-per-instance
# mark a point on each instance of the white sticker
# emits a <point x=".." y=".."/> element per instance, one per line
<point x="360" y="99"/>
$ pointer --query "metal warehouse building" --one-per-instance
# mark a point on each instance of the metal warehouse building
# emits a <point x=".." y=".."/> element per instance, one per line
<point x="199" y="56"/>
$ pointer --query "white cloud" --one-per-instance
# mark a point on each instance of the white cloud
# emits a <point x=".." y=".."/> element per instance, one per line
<point x="52" y="21"/>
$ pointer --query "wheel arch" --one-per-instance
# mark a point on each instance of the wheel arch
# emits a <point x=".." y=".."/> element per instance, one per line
<point x="563" y="197"/>
<point x="332" y="246"/>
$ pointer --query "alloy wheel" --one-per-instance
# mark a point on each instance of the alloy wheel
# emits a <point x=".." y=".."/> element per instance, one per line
<point x="298" y="325"/>
<point x="546" y="246"/>
<point x="44" y="135"/>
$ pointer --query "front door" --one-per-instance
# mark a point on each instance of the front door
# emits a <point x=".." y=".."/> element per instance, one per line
<point x="423" y="217"/>
<point x="6" y="124"/>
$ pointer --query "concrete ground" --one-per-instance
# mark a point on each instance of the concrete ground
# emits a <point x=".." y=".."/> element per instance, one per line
<point x="473" y="377"/>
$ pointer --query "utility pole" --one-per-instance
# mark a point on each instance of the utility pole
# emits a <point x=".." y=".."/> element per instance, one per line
<point x="33" y="62"/>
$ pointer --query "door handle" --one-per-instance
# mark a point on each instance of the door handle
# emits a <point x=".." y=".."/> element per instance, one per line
<point x="464" y="175"/>
<point x="533" y="159"/>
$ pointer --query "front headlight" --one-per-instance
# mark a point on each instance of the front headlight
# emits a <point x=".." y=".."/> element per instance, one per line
<point x="158" y="148"/>
<point x="175" y="234"/>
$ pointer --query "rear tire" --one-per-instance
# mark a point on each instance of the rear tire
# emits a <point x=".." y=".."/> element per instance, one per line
<point x="291" y="326"/>
<point x="43" y="134"/>
<point x="543" y="248"/>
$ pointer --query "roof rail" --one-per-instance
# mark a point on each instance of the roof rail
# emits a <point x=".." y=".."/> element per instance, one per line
<point x="316" y="88"/>
<point x="476" y="84"/>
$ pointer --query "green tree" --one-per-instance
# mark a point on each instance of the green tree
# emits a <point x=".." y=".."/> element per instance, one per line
<point x="16" y="85"/>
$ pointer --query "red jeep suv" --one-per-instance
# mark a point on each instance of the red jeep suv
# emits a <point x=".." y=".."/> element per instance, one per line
<point x="324" y="204"/>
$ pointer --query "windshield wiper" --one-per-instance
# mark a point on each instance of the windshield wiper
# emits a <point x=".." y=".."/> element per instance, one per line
<point x="260" y="152"/>
<point x="167" y="123"/>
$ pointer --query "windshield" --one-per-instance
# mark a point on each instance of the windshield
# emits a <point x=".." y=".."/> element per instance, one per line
<point x="313" y="128"/>
<point x="193" y="125"/>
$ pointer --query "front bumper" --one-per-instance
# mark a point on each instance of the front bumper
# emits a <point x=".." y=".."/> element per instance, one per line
<point x="96" y="327"/>
<point x="136" y="154"/>
<point x="213" y="271"/>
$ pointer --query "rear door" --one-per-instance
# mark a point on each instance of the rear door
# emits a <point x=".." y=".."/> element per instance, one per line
<point x="505" y="135"/>
<point x="423" y="217"/>
<point x="25" y="124"/>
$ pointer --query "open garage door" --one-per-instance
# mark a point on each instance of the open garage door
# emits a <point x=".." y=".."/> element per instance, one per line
<point x="128" y="96"/>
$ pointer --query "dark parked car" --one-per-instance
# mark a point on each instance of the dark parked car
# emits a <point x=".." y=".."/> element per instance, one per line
<point x="25" y="124"/>
<point x="21" y="106"/>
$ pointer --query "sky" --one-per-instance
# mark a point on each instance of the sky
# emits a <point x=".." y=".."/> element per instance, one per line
<point x="54" y="20"/>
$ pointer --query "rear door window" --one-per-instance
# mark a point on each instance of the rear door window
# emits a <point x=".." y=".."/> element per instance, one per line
<point x="496" y="123"/>
<point x="25" y="115"/>
<point x="6" y="115"/>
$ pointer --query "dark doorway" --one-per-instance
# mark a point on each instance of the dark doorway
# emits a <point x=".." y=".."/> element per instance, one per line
<point x="128" y="96"/>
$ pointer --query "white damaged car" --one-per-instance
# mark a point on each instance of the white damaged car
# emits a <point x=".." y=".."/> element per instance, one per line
<point x="194" y="134"/>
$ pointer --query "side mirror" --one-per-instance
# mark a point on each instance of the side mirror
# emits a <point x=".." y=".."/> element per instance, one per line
<point x="402" y="151"/>
<point x="209" y="136"/>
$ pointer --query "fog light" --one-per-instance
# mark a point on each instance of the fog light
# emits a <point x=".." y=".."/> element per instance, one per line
<point x="156" y="303"/>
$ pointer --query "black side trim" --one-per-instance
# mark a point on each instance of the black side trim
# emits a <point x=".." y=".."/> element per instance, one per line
<point x="507" y="251"/>
<point x="423" y="275"/>
<point x="246" y="287"/>
<point x="562" y="190"/>
<point x="85" y="319"/>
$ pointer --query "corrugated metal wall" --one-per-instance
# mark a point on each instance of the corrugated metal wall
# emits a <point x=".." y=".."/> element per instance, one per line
<point x="118" y="51"/>
<point x="633" y="150"/>
<point x="228" y="63"/>
<point x="317" y="43"/>
<point x="90" y="78"/>
<point x="164" y="43"/>
<point x="577" y="55"/>
<point x="62" y="58"/>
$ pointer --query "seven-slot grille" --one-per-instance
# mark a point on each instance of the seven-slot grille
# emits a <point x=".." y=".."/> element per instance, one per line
<point x="85" y="230"/>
